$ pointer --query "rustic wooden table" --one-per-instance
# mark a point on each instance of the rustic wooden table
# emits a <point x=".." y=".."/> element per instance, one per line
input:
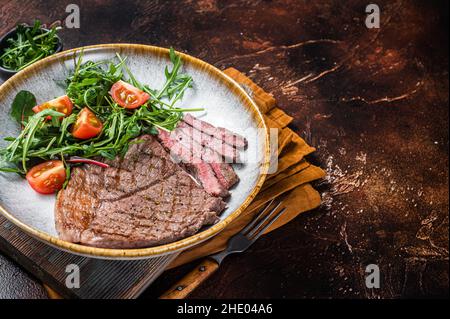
<point x="373" y="101"/>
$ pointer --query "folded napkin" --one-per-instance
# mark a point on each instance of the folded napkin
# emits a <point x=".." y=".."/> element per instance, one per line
<point x="291" y="180"/>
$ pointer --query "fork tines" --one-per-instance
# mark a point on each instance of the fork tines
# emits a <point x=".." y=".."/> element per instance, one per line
<point x="263" y="220"/>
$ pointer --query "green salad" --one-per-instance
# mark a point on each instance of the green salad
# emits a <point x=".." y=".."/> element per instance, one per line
<point x="105" y="108"/>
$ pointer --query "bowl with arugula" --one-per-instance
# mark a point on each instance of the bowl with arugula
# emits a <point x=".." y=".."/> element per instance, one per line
<point x="25" y="45"/>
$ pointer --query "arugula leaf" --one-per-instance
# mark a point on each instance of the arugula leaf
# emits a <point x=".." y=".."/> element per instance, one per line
<point x="68" y="173"/>
<point x="22" y="106"/>
<point x="10" y="170"/>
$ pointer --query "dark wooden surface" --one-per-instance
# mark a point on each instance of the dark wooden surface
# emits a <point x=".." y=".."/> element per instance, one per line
<point x="374" y="103"/>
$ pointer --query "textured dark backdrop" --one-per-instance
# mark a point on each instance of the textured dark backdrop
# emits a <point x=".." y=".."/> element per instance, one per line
<point x="374" y="103"/>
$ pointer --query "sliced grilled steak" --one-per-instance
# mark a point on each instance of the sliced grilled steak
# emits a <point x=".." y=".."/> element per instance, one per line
<point x="223" y="171"/>
<point x="230" y="153"/>
<point x="144" y="199"/>
<point x="220" y="133"/>
<point x="194" y="164"/>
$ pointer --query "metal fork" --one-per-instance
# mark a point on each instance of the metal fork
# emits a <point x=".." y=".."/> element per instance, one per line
<point x="236" y="244"/>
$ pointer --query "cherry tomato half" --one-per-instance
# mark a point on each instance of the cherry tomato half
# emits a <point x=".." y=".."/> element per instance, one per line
<point x="87" y="125"/>
<point x="128" y="96"/>
<point x="61" y="104"/>
<point x="48" y="177"/>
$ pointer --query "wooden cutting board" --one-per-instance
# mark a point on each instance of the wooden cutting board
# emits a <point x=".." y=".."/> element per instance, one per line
<point x="100" y="279"/>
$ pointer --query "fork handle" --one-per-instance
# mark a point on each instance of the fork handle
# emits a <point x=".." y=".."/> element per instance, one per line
<point x="192" y="280"/>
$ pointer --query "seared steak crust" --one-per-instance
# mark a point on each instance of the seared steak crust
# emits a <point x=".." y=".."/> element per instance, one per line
<point x="141" y="200"/>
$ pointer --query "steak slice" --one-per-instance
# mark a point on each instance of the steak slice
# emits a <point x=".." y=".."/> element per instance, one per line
<point x="225" y="174"/>
<point x="230" y="153"/>
<point x="223" y="171"/>
<point x="194" y="164"/>
<point x="220" y="133"/>
<point x="144" y="199"/>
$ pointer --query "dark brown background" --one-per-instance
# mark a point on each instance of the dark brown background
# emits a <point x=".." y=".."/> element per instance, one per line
<point x="373" y="101"/>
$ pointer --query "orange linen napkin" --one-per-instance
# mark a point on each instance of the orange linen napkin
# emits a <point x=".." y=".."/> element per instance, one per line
<point x="291" y="181"/>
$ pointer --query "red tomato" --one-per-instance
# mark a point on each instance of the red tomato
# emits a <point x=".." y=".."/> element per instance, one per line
<point x="87" y="125"/>
<point x="48" y="177"/>
<point x="128" y="96"/>
<point x="61" y="104"/>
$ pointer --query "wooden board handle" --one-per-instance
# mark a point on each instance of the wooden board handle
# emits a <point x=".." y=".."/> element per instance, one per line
<point x="192" y="280"/>
<point x="51" y="293"/>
